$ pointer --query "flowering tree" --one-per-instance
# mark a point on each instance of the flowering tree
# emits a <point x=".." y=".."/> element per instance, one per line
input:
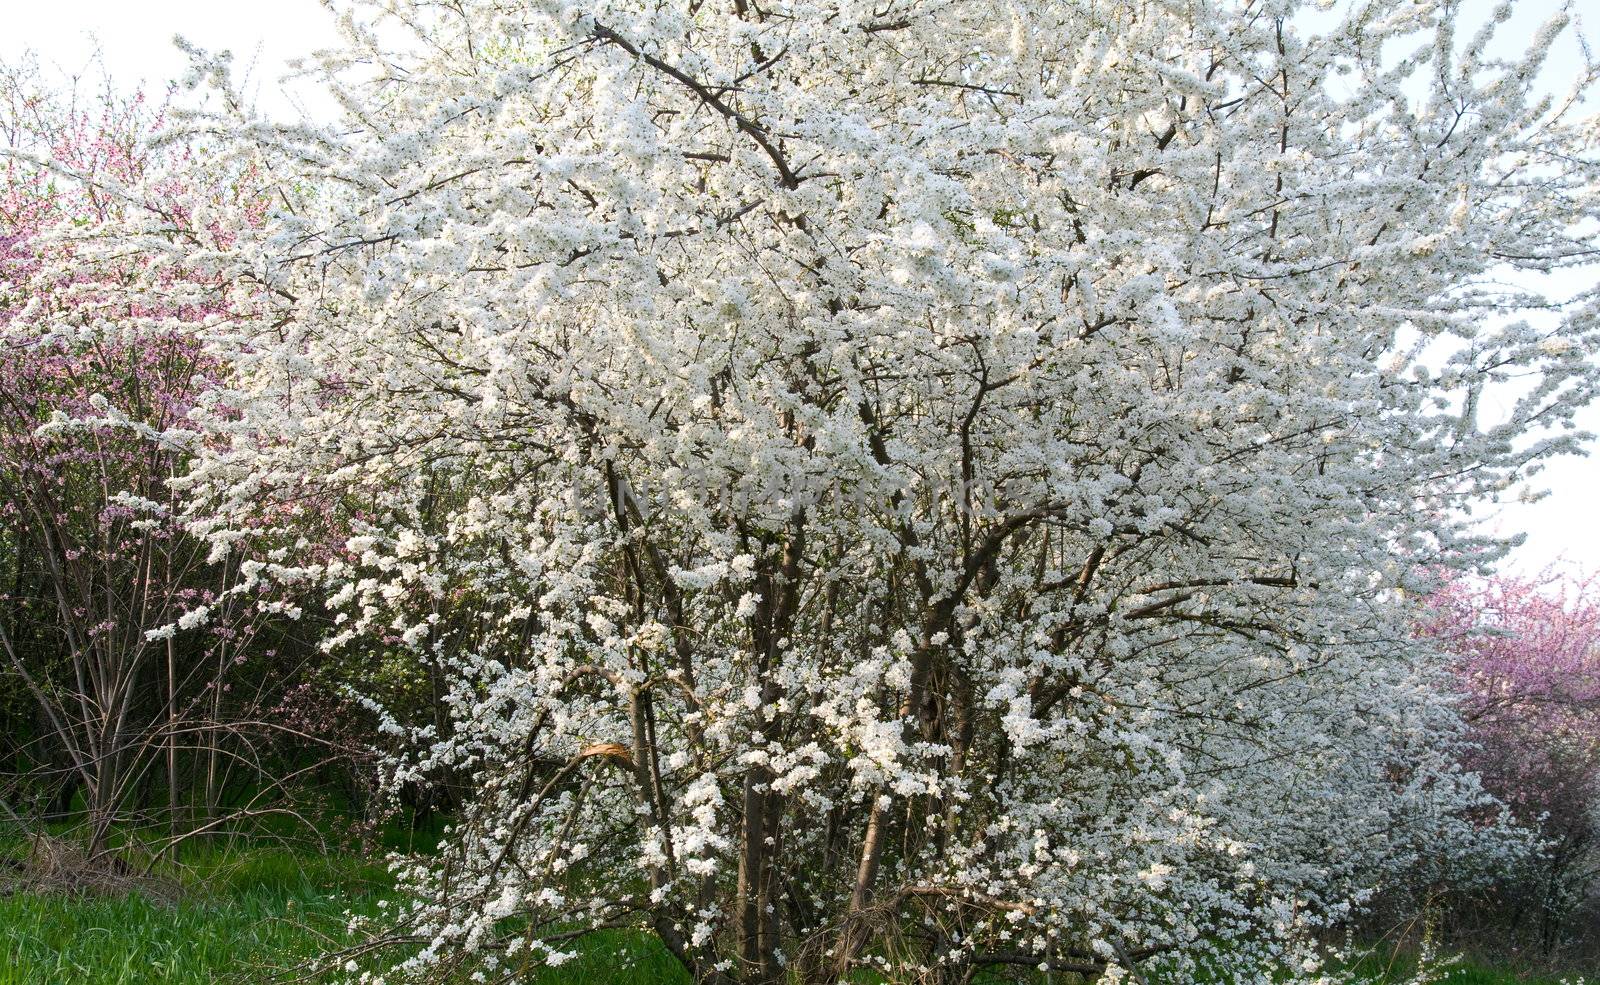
<point x="90" y="526"/>
<point x="923" y="486"/>
<point x="119" y="632"/>
<point x="1529" y="659"/>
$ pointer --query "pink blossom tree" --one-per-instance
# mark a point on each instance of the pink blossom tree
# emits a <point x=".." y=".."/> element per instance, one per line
<point x="120" y="629"/>
<point x="1528" y="654"/>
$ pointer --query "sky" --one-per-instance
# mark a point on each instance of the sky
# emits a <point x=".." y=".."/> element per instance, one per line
<point x="134" y="42"/>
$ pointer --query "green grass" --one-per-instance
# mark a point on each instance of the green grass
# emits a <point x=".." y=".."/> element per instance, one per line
<point x="130" y="940"/>
<point x="1463" y="972"/>
<point x="238" y="915"/>
<point x="243" y="915"/>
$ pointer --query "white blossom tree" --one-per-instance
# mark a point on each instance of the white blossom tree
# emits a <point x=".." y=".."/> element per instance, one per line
<point x="924" y="485"/>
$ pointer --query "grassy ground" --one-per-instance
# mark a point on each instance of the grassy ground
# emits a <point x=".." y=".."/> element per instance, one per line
<point x="241" y="917"/>
<point x="1463" y="973"/>
<point x="244" y="914"/>
<point x="237" y="916"/>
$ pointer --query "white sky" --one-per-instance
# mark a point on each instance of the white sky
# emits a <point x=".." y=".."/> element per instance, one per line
<point x="134" y="39"/>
